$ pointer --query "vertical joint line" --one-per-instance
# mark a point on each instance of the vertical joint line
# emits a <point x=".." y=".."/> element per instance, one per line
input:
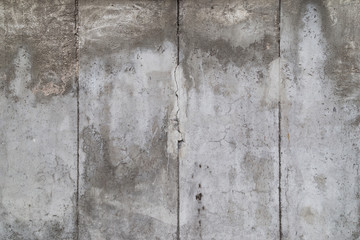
<point x="178" y="31"/>
<point x="279" y="122"/>
<point x="179" y="141"/>
<point x="279" y="28"/>
<point x="279" y="147"/>
<point x="76" y="20"/>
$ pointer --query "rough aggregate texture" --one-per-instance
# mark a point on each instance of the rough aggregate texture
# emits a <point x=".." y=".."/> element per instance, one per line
<point x="165" y="119"/>
<point x="127" y="120"/>
<point x="229" y="158"/>
<point x="38" y="120"/>
<point x="320" y="110"/>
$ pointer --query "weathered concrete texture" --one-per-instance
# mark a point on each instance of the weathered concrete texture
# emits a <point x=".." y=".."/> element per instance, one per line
<point x="38" y="120"/>
<point x="320" y="119"/>
<point x="229" y="120"/>
<point x="179" y="144"/>
<point x="128" y="126"/>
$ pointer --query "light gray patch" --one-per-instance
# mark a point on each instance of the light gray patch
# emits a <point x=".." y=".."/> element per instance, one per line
<point x="232" y="176"/>
<point x="260" y="170"/>
<point x="263" y="216"/>
<point x="308" y="214"/>
<point x="320" y="181"/>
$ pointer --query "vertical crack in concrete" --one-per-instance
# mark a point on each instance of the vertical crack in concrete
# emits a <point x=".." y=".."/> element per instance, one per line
<point x="280" y="210"/>
<point x="177" y="113"/>
<point x="279" y="122"/>
<point x="76" y="25"/>
<point x="177" y="120"/>
<point x="178" y="31"/>
<point x="179" y="142"/>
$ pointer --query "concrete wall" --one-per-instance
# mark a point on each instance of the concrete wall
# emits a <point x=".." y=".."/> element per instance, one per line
<point x="144" y="119"/>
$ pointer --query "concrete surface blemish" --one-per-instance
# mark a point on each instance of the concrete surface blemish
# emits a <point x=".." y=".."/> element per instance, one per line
<point x="179" y="119"/>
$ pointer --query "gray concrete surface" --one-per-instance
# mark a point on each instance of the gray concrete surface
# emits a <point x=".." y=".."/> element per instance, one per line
<point x="320" y="119"/>
<point x="38" y="137"/>
<point x="128" y="126"/>
<point x="144" y="119"/>
<point x="229" y="119"/>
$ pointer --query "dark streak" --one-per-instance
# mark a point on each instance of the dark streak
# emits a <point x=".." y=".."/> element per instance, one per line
<point x="198" y="196"/>
<point x="178" y="30"/>
<point x="279" y="122"/>
<point x="76" y="16"/>
<point x="279" y="28"/>
<point x="178" y="189"/>
<point x="279" y="147"/>
<point x="179" y="142"/>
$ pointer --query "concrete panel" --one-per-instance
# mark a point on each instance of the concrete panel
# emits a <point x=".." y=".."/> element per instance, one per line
<point x="218" y="132"/>
<point x="320" y="119"/>
<point x="128" y="125"/>
<point x="38" y="120"/>
<point x="229" y="119"/>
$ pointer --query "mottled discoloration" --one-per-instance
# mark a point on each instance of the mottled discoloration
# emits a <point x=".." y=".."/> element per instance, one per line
<point x="46" y="32"/>
<point x="37" y="120"/>
<point x="308" y="215"/>
<point x="320" y="103"/>
<point x="260" y="171"/>
<point x="183" y="125"/>
<point x="26" y="230"/>
<point x="114" y="185"/>
<point x="128" y="120"/>
<point x="128" y="24"/>
<point x="124" y="174"/>
<point x="225" y="53"/>
<point x="228" y="50"/>
<point x="342" y="61"/>
<point x="320" y="181"/>
<point x="230" y="31"/>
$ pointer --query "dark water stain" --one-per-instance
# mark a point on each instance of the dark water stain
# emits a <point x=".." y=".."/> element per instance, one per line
<point x="148" y="167"/>
<point x="149" y="31"/>
<point x="342" y="53"/>
<point x="50" y="43"/>
<point x="356" y="121"/>
<point x="197" y="46"/>
<point x="320" y="181"/>
<point x="356" y="231"/>
<point x="259" y="170"/>
<point x="298" y="23"/>
<point x="21" y="230"/>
